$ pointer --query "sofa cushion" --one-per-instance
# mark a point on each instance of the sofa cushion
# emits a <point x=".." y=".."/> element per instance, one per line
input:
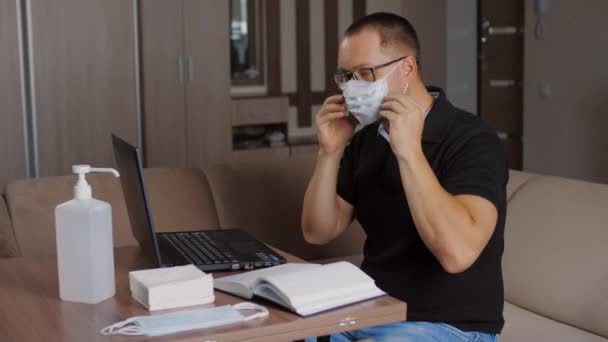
<point x="8" y="244"/>
<point x="180" y="200"/>
<point x="523" y="325"/>
<point x="516" y="180"/>
<point x="556" y="255"/>
<point x="265" y="198"/>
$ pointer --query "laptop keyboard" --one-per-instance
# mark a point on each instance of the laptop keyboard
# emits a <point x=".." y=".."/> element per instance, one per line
<point x="199" y="248"/>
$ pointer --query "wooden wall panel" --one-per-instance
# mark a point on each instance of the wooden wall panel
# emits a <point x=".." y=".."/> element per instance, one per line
<point x="162" y="44"/>
<point x="84" y="80"/>
<point x="332" y="19"/>
<point x="289" y="49"/>
<point x="318" y="37"/>
<point x="12" y="151"/>
<point x="359" y="9"/>
<point x="208" y="93"/>
<point x="501" y="68"/>
<point x="273" y="46"/>
<point x="303" y="62"/>
<point x="513" y="149"/>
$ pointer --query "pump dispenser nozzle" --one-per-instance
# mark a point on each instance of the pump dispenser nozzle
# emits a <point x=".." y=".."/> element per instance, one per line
<point x="82" y="190"/>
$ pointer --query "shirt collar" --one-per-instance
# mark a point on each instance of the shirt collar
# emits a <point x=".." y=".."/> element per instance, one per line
<point x="436" y="122"/>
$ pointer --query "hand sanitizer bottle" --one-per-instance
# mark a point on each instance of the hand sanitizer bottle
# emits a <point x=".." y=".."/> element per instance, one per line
<point x="85" y="253"/>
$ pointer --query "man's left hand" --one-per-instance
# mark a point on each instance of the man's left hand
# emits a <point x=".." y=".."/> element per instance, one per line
<point x="406" y="121"/>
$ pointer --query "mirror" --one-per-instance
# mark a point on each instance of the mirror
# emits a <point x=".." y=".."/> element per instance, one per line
<point x="246" y="42"/>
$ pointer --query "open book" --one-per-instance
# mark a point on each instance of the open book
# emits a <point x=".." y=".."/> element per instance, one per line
<point x="305" y="289"/>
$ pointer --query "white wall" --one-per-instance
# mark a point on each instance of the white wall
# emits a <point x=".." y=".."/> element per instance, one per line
<point x="565" y="129"/>
<point x="461" y="32"/>
<point x="448" y="37"/>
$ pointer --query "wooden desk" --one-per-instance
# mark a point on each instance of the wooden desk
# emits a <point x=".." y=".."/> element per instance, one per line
<point x="30" y="309"/>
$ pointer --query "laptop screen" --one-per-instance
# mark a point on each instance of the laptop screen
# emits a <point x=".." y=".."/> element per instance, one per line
<point x="128" y="159"/>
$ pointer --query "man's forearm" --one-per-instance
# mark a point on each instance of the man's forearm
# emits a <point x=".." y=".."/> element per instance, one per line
<point x="319" y="212"/>
<point x="444" y="224"/>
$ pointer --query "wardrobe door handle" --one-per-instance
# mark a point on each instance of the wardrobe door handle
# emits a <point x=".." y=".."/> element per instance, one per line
<point x="502" y="83"/>
<point x="180" y="69"/>
<point x="503" y="30"/>
<point x="190" y="69"/>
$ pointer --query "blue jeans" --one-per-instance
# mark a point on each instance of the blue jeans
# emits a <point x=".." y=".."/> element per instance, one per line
<point x="412" y="332"/>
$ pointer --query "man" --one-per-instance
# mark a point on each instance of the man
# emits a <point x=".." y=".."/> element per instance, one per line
<point x="425" y="180"/>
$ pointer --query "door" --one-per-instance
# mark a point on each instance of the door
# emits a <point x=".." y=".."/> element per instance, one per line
<point x="84" y="80"/>
<point x="164" y="79"/>
<point x="12" y="150"/>
<point x="501" y="72"/>
<point x="208" y="92"/>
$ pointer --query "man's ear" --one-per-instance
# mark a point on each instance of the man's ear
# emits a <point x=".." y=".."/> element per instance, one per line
<point x="408" y="67"/>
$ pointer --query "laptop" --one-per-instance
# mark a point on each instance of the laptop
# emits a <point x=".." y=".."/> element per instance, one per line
<point x="209" y="250"/>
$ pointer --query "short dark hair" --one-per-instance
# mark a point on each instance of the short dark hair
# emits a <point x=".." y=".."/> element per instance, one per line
<point x="393" y="29"/>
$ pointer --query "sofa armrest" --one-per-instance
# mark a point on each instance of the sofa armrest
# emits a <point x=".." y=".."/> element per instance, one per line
<point x="8" y="243"/>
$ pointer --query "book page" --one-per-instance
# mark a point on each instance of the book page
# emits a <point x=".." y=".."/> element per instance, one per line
<point x="351" y="296"/>
<point x="324" y="287"/>
<point x="243" y="284"/>
<point x="269" y="292"/>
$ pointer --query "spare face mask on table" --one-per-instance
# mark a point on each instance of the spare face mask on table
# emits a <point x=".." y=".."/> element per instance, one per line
<point x="364" y="98"/>
<point x="169" y="323"/>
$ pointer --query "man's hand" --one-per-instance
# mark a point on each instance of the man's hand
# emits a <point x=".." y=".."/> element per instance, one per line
<point x="406" y="121"/>
<point x="334" y="128"/>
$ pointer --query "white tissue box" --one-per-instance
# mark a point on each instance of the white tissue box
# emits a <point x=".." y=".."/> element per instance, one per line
<point x="171" y="287"/>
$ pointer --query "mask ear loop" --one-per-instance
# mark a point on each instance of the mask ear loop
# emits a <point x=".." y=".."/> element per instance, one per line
<point x="390" y="72"/>
<point x="125" y="327"/>
<point x="407" y="86"/>
<point x="263" y="312"/>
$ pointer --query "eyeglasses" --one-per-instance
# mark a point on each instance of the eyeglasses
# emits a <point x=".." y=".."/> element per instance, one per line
<point x="363" y="73"/>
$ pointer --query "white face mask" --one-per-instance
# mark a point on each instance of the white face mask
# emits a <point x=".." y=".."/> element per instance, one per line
<point x="169" y="323"/>
<point x="364" y="98"/>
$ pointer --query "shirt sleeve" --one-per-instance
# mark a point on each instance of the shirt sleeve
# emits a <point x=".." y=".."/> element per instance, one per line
<point x="478" y="168"/>
<point x="346" y="176"/>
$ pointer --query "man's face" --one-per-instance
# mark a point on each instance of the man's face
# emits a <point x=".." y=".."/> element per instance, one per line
<point x="363" y="49"/>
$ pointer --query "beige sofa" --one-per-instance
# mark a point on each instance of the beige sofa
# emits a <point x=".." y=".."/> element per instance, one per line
<point x="555" y="261"/>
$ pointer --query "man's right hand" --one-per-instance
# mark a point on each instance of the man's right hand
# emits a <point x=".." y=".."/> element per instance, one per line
<point x="334" y="128"/>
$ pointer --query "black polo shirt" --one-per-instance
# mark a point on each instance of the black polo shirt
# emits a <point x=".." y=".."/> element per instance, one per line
<point x="467" y="157"/>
